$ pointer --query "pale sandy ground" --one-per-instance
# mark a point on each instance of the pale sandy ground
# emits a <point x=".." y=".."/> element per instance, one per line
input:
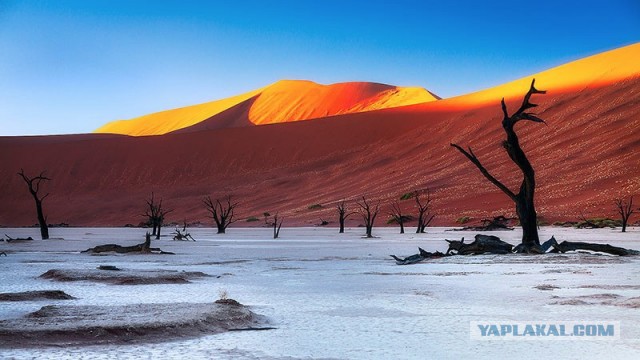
<point x="342" y="296"/>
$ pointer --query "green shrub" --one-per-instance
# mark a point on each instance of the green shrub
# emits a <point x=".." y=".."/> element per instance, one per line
<point x="252" y="219"/>
<point x="407" y="196"/>
<point x="463" y="220"/>
<point x="314" y="207"/>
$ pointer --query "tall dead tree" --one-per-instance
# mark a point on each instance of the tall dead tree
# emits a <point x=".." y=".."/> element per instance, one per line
<point x="343" y="215"/>
<point x="34" y="189"/>
<point x="524" y="199"/>
<point x="397" y="216"/>
<point x="222" y="212"/>
<point x="155" y="214"/>
<point x="424" y="216"/>
<point x="625" y="209"/>
<point x="369" y="214"/>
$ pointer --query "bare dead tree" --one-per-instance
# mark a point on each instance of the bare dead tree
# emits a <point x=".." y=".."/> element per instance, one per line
<point x="222" y="212"/>
<point x="625" y="210"/>
<point x="397" y="216"/>
<point x="155" y="214"/>
<point x="34" y="188"/>
<point x="369" y="214"/>
<point x="524" y="199"/>
<point x="343" y="215"/>
<point x="424" y="215"/>
<point x="277" y="224"/>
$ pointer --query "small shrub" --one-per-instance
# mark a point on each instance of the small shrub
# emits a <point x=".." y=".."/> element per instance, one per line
<point x="315" y="207"/>
<point x="252" y="219"/>
<point x="223" y="294"/>
<point x="463" y="220"/>
<point x="407" y="196"/>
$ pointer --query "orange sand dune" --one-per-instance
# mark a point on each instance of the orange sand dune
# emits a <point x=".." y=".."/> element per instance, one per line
<point x="283" y="101"/>
<point x="587" y="155"/>
<point x="596" y="70"/>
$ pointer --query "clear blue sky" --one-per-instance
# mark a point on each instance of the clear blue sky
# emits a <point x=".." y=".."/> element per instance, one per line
<point x="71" y="66"/>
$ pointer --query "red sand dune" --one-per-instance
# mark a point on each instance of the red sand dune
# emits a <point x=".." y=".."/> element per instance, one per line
<point x="283" y="101"/>
<point x="584" y="157"/>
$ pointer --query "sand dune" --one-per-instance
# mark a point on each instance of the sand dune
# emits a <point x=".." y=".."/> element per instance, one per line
<point x="283" y="101"/>
<point x="584" y="157"/>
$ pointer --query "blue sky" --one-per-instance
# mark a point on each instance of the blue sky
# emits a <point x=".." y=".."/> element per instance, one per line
<point x="71" y="66"/>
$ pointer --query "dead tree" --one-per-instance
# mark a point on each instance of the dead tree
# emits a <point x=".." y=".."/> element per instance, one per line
<point x="222" y="212"/>
<point x="424" y="216"/>
<point x="625" y="209"/>
<point x="34" y="189"/>
<point x="397" y="216"/>
<point x="182" y="235"/>
<point x="156" y="214"/>
<point x="369" y="214"/>
<point x="524" y="199"/>
<point x="343" y="215"/>
<point x="276" y="226"/>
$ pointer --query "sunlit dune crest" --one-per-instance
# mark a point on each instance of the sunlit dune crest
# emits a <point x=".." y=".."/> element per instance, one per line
<point x="597" y="70"/>
<point x="283" y="101"/>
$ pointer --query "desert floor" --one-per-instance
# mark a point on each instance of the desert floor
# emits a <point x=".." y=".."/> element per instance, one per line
<point x="337" y="296"/>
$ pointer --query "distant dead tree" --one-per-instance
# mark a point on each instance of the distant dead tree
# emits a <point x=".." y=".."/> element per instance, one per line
<point x="34" y="189"/>
<point x="277" y="224"/>
<point x="343" y="215"/>
<point x="523" y="200"/>
<point x="369" y="214"/>
<point x="397" y="216"/>
<point x="424" y="215"/>
<point x="222" y="212"/>
<point x="625" y="210"/>
<point x="155" y="215"/>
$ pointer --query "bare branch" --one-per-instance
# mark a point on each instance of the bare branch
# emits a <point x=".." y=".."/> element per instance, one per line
<point x="471" y="156"/>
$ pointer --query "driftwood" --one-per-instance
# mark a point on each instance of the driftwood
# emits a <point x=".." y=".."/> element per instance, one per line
<point x="482" y="244"/>
<point x="3" y="253"/>
<point x="605" y="248"/>
<point x="144" y="248"/>
<point x="10" y="239"/>
<point x="182" y="235"/>
<point x="420" y="256"/>
<point x="490" y="244"/>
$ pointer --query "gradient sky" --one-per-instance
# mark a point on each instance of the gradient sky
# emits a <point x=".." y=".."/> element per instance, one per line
<point x="71" y="66"/>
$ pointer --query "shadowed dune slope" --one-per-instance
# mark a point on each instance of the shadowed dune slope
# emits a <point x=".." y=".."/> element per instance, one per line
<point x="283" y="101"/>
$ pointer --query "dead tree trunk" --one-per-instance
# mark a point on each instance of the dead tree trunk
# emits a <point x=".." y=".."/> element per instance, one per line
<point x="524" y="199"/>
<point x="625" y="209"/>
<point x="34" y="189"/>
<point x="276" y="226"/>
<point x="369" y="214"/>
<point x="424" y="218"/>
<point x="221" y="213"/>
<point x="343" y="215"/>
<point x="396" y="214"/>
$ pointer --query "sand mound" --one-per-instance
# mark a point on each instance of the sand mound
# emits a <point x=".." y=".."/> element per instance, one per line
<point x="92" y="325"/>
<point x="36" y="295"/>
<point x="124" y="277"/>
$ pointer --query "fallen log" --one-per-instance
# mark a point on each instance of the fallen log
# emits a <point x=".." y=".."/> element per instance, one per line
<point x="10" y="239"/>
<point x="482" y="244"/>
<point x="416" y="258"/>
<point x="604" y="248"/>
<point x="144" y="248"/>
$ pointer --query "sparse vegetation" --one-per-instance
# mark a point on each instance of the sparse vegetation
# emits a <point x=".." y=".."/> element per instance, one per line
<point x="408" y="196"/>
<point x="252" y="219"/>
<point x="463" y="220"/>
<point x="314" y="207"/>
